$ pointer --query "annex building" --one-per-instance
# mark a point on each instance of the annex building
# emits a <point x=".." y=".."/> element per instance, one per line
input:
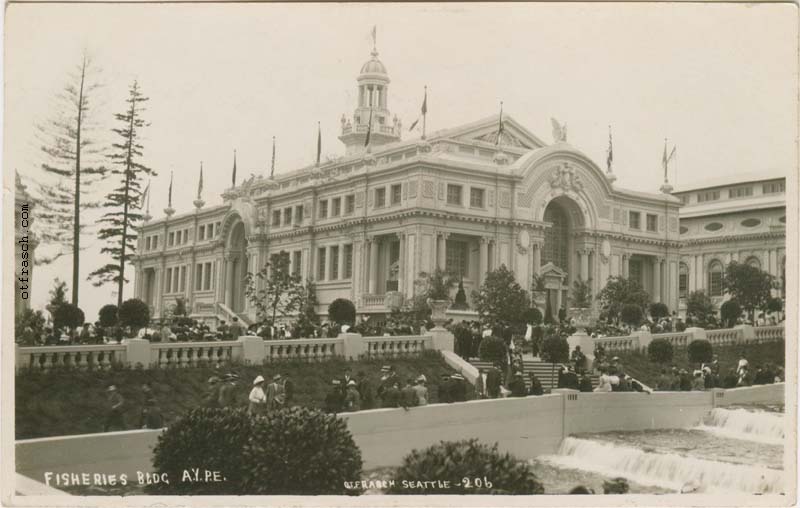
<point x="467" y="199"/>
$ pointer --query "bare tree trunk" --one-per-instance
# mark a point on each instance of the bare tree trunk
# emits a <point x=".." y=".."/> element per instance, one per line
<point x="76" y="226"/>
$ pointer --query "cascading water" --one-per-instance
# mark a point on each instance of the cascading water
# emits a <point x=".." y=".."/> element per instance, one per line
<point x="761" y="426"/>
<point x="666" y="470"/>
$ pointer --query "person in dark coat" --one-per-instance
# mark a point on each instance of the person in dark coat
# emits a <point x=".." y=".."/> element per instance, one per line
<point x="578" y="359"/>
<point x="493" y="381"/>
<point x="585" y="384"/>
<point x="570" y="380"/>
<point x="114" y="418"/>
<point x="444" y="389"/>
<point x="458" y="388"/>
<point x="392" y="395"/>
<point x="517" y="385"/>
<point x="366" y="391"/>
<point x="388" y="378"/>
<point x="408" y="396"/>
<point x="536" y="385"/>
<point x="334" y="402"/>
<point x="685" y="380"/>
<point x="288" y="390"/>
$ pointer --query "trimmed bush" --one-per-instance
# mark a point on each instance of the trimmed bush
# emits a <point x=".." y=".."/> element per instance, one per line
<point x="108" y="316"/>
<point x="532" y="316"/>
<point x="660" y="351"/>
<point x="555" y="349"/>
<point x="493" y="349"/>
<point x="300" y="451"/>
<point x="658" y="310"/>
<point x="342" y="311"/>
<point x="135" y="313"/>
<point x="700" y="351"/>
<point x="455" y="460"/>
<point x="206" y="438"/>
<point x="730" y="311"/>
<point x="631" y="314"/>
<point x="68" y="315"/>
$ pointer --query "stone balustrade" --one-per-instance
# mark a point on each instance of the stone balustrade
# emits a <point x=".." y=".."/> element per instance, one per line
<point x="769" y="333"/>
<point x="247" y="349"/>
<point x="740" y="334"/>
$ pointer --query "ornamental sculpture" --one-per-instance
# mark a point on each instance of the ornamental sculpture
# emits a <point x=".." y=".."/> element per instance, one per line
<point x="565" y="178"/>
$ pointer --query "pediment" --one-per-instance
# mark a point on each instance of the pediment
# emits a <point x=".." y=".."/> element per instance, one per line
<point x="551" y="270"/>
<point x="486" y="131"/>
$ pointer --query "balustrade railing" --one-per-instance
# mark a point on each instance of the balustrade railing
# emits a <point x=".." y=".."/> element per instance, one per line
<point x="618" y="343"/>
<point x="303" y="349"/>
<point x="769" y="333"/>
<point x="677" y="339"/>
<point x="724" y="336"/>
<point x="193" y="354"/>
<point x="83" y="357"/>
<point x="381" y="347"/>
<point x="373" y="300"/>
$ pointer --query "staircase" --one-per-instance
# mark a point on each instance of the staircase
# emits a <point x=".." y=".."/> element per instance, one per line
<point x="547" y="373"/>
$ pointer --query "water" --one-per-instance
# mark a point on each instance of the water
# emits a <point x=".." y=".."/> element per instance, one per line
<point x="734" y="450"/>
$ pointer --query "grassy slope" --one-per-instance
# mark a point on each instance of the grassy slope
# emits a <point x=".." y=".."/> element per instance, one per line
<point x="638" y="366"/>
<point x="74" y="402"/>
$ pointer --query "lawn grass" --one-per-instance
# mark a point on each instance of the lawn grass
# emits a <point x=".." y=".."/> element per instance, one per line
<point x="638" y="366"/>
<point x="68" y="401"/>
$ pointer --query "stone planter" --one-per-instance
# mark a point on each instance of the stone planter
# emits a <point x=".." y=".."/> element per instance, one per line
<point x="540" y="300"/>
<point x="438" y="309"/>
<point x="583" y="318"/>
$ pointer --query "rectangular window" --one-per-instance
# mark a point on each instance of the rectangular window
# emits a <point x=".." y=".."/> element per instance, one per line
<point x="210" y="231"/>
<point x="707" y="196"/>
<point x="183" y="279"/>
<point x="740" y="192"/>
<point x="635" y="219"/>
<point x="773" y="188"/>
<point x="198" y="277"/>
<point x="476" y="197"/>
<point x="348" y="261"/>
<point x="397" y="193"/>
<point x="380" y="197"/>
<point x="201" y="233"/>
<point x="155" y="242"/>
<point x="453" y="194"/>
<point x="168" y="281"/>
<point x="147" y="243"/>
<point x="349" y="204"/>
<point x="297" y="258"/>
<point x="207" y="284"/>
<point x="323" y="209"/>
<point x="635" y="270"/>
<point x="715" y="283"/>
<point x="287" y="216"/>
<point x="216" y="229"/>
<point x="334" y="263"/>
<point x="276" y="218"/>
<point x="336" y="207"/>
<point x="298" y="214"/>
<point x="321" y="263"/>
<point x="652" y="222"/>
<point x="176" y="279"/>
<point x="456" y="254"/>
<point x="683" y="284"/>
<point x="171" y="239"/>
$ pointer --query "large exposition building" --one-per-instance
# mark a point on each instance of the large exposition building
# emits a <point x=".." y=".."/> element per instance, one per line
<point x="365" y="225"/>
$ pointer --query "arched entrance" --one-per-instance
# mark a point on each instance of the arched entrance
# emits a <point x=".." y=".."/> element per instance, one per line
<point x="562" y="215"/>
<point x="236" y="268"/>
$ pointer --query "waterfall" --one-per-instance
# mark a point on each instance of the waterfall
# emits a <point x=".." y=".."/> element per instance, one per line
<point x="760" y="426"/>
<point x="667" y="470"/>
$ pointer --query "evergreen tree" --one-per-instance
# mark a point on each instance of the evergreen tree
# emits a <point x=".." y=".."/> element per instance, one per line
<point x="274" y="290"/>
<point x="72" y="157"/>
<point x="123" y="201"/>
<point x="748" y="285"/>
<point x="308" y="319"/>
<point x="501" y="301"/>
<point x="620" y="291"/>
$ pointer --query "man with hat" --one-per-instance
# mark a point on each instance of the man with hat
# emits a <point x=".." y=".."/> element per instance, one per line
<point x="227" y="390"/>
<point x="114" y="415"/>
<point x="275" y="393"/>
<point x="458" y="390"/>
<point x="408" y="396"/>
<point x="352" y="401"/>
<point x="366" y="391"/>
<point x="388" y="378"/>
<point x="569" y="379"/>
<point x="444" y="388"/>
<point x="421" y="390"/>
<point x="257" y="398"/>
<point x="494" y="379"/>
<point x="334" y="401"/>
<point x="517" y="385"/>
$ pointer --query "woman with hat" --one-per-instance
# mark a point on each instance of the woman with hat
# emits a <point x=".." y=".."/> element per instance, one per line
<point x="275" y="393"/>
<point x="257" y="398"/>
<point x="352" y="401"/>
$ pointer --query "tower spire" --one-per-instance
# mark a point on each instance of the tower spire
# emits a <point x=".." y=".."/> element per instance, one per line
<point x="169" y="210"/>
<point x="272" y="166"/>
<point x="198" y="203"/>
<point x="233" y="178"/>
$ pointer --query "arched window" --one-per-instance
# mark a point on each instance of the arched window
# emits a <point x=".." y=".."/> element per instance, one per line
<point x="715" y="270"/>
<point x="556" y="237"/>
<point x="754" y="262"/>
<point x="683" y="280"/>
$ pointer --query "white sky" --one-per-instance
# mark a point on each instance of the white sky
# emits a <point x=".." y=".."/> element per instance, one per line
<point x="717" y="80"/>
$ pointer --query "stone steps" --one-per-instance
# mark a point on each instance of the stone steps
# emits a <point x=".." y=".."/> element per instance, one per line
<point x="547" y="373"/>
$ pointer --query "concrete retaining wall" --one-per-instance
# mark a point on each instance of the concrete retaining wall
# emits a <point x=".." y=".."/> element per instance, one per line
<point x="526" y="427"/>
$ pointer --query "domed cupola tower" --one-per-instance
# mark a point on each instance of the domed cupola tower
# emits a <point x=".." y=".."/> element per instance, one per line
<point x="373" y="96"/>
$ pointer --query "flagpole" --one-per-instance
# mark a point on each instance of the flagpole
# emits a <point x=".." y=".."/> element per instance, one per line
<point x="425" y="112"/>
<point x="272" y="167"/>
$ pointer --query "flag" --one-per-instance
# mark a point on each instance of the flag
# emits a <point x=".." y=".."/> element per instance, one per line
<point x="500" y="127"/>
<point x="169" y="195"/>
<point x="672" y="153"/>
<point x="369" y="128"/>
<point x="319" y="142"/>
<point x="272" y="167"/>
<point x="610" y="157"/>
<point x="145" y="195"/>
<point x="200" y="184"/>
<point x="233" y="178"/>
<point x="424" y="110"/>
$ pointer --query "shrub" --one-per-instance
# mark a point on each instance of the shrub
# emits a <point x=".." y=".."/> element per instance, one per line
<point x="108" y="315"/>
<point x="135" y="313"/>
<point x="631" y="314"/>
<point x="342" y="311"/>
<point x="300" y="451"/>
<point x="29" y="327"/>
<point x="493" y="349"/>
<point x="454" y="460"/>
<point x="660" y="351"/>
<point x="658" y="310"/>
<point x="555" y="349"/>
<point x="700" y="351"/>
<point x="774" y="305"/>
<point x="206" y="438"/>
<point x="68" y="315"/>
<point x="730" y="312"/>
<point x="532" y="316"/>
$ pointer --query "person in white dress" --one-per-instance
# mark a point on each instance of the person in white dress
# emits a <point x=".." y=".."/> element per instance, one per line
<point x="257" y="397"/>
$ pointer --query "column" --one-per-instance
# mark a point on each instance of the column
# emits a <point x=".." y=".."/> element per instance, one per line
<point x="592" y="268"/>
<point x="656" y="280"/>
<point x="701" y="280"/>
<point x="328" y="263"/>
<point x="773" y="262"/>
<point x="558" y="303"/>
<point x="537" y="258"/>
<point x="483" y="258"/>
<point x="441" y="250"/>
<point x="584" y="260"/>
<point x="401" y="265"/>
<point x="626" y="259"/>
<point x="692" y="269"/>
<point x="340" y="267"/>
<point x="228" y="281"/>
<point x="373" y="265"/>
